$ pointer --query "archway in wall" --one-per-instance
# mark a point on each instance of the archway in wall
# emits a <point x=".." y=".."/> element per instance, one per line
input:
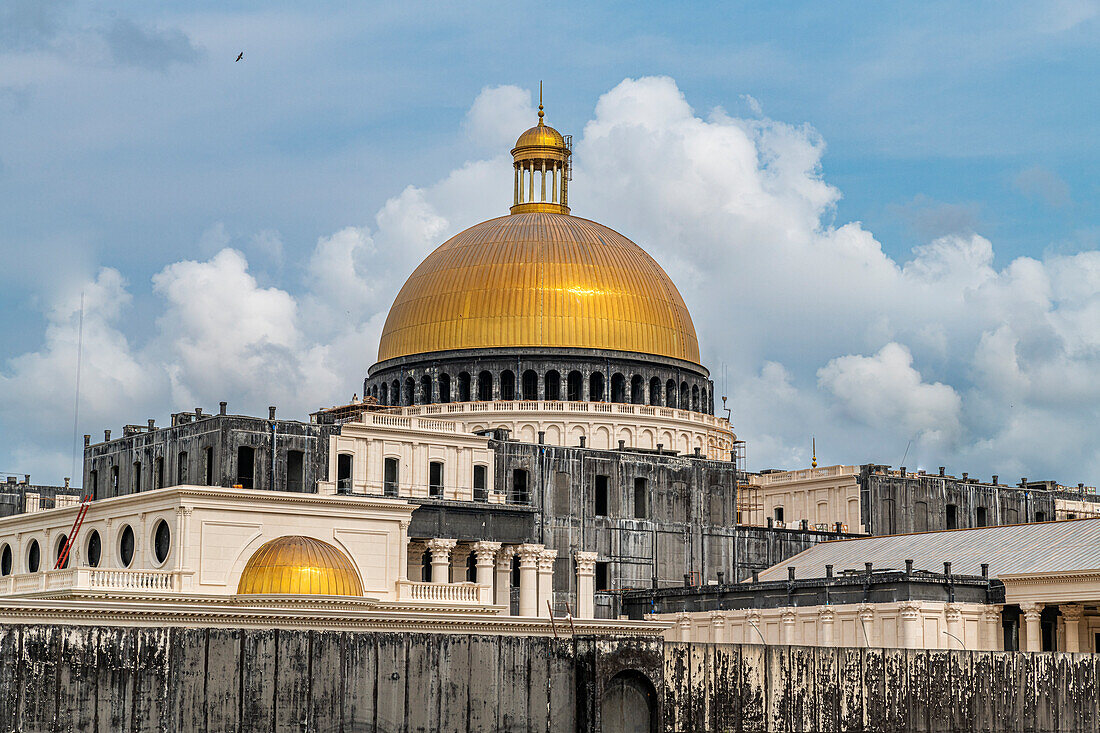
<point x="629" y="704"/>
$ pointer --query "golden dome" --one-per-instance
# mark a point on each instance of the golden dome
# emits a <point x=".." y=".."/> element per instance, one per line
<point x="539" y="280"/>
<point x="542" y="136"/>
<point x="296" y="565"/>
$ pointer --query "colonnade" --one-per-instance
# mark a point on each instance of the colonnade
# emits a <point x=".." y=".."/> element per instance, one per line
<point x="493" y="567"/>
<point x="528" y="173"/>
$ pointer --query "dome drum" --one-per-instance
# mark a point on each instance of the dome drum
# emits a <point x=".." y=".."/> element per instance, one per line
<point x="492" y="375"/>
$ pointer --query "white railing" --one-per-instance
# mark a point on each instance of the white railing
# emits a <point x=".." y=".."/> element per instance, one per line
<point x="550" y="406"/>
<point x="786" y="477"/>
<point x="461" y="593"/>
<point x="87" y="579"/>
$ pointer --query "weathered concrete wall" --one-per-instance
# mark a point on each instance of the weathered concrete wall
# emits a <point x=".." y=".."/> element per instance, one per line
<point x="133" y="679"/>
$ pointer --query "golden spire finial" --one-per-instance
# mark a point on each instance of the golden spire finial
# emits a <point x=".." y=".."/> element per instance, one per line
<point x="541" y="113"/>
<point x="814" y="442"/>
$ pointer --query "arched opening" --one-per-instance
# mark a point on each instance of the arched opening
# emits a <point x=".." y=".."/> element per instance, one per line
<point x="426" y="567"/>
<point x="395" y="393"/>
<point x="444" y="387"/>
<point x="374" y="391"/>
<point x="426" y="390"/>
<point x="464" y="387"/>
<point x="670" y="393"/>
<point x="655" y="391"/>
<point x="595" y="387"/>
<point x="629" y="704"/>
<point x="485" y="386"/>
<point x="507" y="385"/>
<point x="685" y="396"/>
<point x="618" y="387"/>
<point x="530" y="385"/>
<point x="410" y="388"/>
<point x="385" y="400"/>
<point x="695" y="398"/>
<point x="704" y="404"/>
<point x="552" y="386"/>
<point x="574" y="388"/>
<point x="637" y="390"/>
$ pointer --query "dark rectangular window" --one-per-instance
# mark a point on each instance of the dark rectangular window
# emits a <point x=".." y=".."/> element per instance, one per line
<point x="481" y="483"/>
<point x="952" y="517"/>
<point x="114" y="480"/>
<point x="181" y="467"/>
<point x="603" y="580"/>
<point x="1040" y="516"/>
<point x="135" y="478"/>
<point x="158" y="473"/>
<point x="641" y="498"/>
<point x="246" y="465"/>
<point x="601" y="496"/>
<point x="343" y="472"/>
<point x="93" y="478"/>
<point x="520" y="494"/>
<point x="779" y="514"/>
<point x="435" y="479"/>
<point x="980" y="516"/>
<point x="208" y="454"/>
<point x="390" y="476"/>
<point x="295" y="470"/>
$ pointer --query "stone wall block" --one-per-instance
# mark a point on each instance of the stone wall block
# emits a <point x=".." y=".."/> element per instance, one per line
<point x="223" y="678"/>
<point x="258" y="680"/>
<point x="186" y="679"/>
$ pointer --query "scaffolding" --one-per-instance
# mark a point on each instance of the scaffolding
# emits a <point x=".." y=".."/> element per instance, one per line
<point x="750" y="507"/>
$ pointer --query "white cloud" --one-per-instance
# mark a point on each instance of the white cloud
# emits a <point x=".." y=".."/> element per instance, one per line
<point x="820" y="332"/>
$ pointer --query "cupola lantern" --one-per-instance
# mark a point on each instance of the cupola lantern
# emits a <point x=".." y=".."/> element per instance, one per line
<point x="541" y="169"/>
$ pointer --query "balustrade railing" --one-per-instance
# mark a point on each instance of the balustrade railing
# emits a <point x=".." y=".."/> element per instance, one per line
<point x="550" y="406"/>
<point x="82" y="579"/>
<point x="463" y="593"/>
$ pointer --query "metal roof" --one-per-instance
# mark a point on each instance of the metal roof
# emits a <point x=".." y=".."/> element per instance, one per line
<point x="1043" y="547"/>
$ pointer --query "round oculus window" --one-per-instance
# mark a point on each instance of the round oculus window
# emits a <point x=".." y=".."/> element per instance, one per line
<point x="126" y="546"/>
<point x="162" y="541"/>
<point x="33" y="557"/>
<point x="95" y="549"/>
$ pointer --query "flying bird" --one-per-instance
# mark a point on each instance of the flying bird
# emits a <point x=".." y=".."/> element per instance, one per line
<point x="240" y="57"/>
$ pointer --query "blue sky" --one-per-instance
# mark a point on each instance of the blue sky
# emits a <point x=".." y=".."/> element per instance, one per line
<point x="129" y="139"/>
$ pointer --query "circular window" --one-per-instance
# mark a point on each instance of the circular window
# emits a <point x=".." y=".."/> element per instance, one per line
<point x="126" y="546"/>
<point x="61" y="542"/>
<point x="5" y="560"/>
<point x="94" y="549"/>
<point x="162" y="541"/>
<point x="33" y="557"/>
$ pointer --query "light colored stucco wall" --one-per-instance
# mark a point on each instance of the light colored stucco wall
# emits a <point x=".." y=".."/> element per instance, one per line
<point x="821" y="496"/>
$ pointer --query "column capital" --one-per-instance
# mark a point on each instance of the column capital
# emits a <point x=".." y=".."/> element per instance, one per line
<point x="826" y="615"/>
<point x="529" y="555"/>
<point x="910" y="609"/>
<point x="953" y="612"/>
<point x="1032" y="611"/>
<point x="441" y="546"/>
<point x="546" y="560"/>
<point x="717" y="618"/>
<point x="866" y="612"/>
<point x="1072" y="611"/>
<point x="788" y="617"/>
<point x="992" y="614"/>
<point x="683" y="620"/>
<point x="504" y="557"/>
<point x="586" y="562"/>
<point x="485" y="551"/>
<point x="752" y="617"/>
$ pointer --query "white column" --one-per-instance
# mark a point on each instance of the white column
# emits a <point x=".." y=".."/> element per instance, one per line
<point x="528" y="588"/>
<point x="485" y="554"/>
<point x="586" y="585"/>
<point x="911" y="630"/>
<point x="683" y="624"/>
<point x="954" y="626"/>
<point x="754" y="629"/>
<point x="1033" y="633"/>
<point x="542" y="190"/>
<point x="1071" y="617"/>
<point x="865" y="620"/>
<point x="786" y="625"/>
<point x="441" y="559"/>
<point x="504" y="578"/>
<point x="546" y="581"/>
<point x="403" y="571"/>
<point x="515" y="185"/>
<point x="826" y="618"/>
<point x="554" y="183"/>
<point x="992" y="630"/>
<point x="717" y="627"/>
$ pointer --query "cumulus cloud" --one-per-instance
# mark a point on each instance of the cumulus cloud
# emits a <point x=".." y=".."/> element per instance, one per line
<point x="818" y="330"/>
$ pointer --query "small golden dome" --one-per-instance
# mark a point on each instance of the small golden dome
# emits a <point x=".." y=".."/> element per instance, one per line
<point x="539" y="280"/>
<point x="542" y="136"/>
<point x="296" y="565"/>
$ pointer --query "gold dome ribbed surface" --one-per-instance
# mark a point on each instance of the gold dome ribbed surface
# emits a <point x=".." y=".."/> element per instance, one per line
<point x="541" y="135"/>
<point x="539" y="280"/>
<point x="296" y="565"/>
